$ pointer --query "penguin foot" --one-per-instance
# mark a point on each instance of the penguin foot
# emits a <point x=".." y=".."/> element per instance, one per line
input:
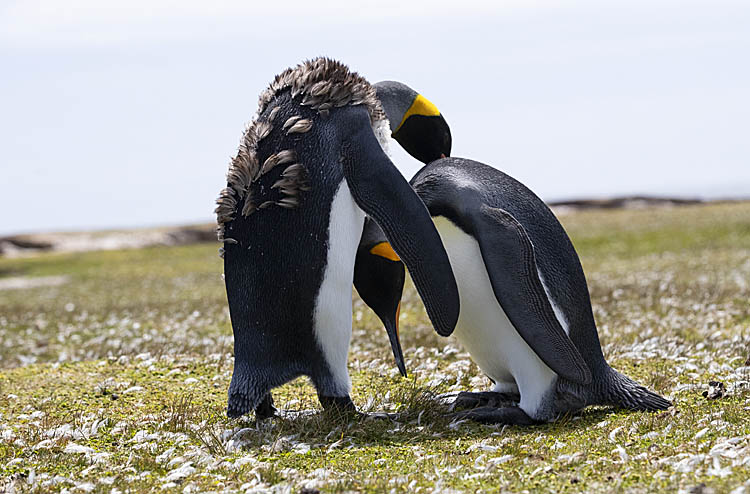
<point x="342" y="405"/>
<point x="492" y="415"/>
<point x="265" y="410"/>
<point x="393" y="417"/>
<point x="466" y="399"/>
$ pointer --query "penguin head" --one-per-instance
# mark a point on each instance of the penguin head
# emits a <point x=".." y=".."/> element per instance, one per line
<point x="379" y="279"/>
<point x="415" y="122"/>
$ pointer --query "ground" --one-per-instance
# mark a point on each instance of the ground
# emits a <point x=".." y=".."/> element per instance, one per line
<point x="114" y="368"/>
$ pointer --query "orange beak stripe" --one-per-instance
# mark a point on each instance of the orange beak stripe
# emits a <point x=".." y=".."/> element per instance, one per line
<point x="384" y="249"/>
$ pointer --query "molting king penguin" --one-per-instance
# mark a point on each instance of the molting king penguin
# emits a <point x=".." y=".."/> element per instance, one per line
<point x="525" y="312"/>
<point x="308" y="170"/>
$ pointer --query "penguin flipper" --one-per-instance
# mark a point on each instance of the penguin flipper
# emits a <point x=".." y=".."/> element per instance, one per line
<point x="510" y="261"/>
<point x="382" y="192"/>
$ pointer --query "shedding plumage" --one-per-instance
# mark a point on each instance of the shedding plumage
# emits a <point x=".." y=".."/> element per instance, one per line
<point x="298" y="223"/>
<point x="250" y="205"/>
<point x="280" y="158"/>
<point x="321" y="84"/>
<point x="300" y="127"/>
<point x="293" y="180"/>
<point x="290" y="121"/>
<point x="272" y="115"/>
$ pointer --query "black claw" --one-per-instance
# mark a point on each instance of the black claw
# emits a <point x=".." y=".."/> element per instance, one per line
<point x="266" y="409"/>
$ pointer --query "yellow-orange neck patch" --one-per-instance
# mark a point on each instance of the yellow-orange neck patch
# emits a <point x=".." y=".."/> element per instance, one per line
<point x="420" y="106"/>
<point x="384" y="249"/>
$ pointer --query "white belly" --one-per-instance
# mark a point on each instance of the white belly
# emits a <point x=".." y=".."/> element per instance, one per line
<point x="483" y="327"/>
<point x="333" y="307"/>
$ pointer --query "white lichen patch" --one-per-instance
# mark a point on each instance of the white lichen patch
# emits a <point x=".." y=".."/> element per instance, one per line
<point x="25" y="282"/>
<point x="116" y="382"/>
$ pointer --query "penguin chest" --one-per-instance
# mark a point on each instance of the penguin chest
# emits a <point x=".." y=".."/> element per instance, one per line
<point x="483" y="327"/>
<point x="332" y="321"/>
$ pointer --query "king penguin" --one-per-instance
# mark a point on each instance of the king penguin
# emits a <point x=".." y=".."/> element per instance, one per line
<point x="415" y="122"/>
<point x="309" y="169"/>
<point x="525" y="312"/>
<point x="419" y="127"/>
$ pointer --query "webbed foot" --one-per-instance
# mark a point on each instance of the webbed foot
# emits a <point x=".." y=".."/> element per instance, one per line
<point x="265" y="410"/>
<point x="341" y="405"/>
<point x="493" y="415"/>
<point x="467" y="399"/>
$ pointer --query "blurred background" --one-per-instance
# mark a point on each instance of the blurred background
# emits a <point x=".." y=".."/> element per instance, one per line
<point x="125" y="113"/>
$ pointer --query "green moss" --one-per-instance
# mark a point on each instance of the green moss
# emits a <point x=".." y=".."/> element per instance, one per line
<point x="140" y="342"/>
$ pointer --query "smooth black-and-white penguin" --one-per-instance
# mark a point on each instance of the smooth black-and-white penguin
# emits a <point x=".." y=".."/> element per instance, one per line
<point x="419" y="127"/>
<point x="291" y="218"/>
<point x="525" y="313"/>
<point x="415" y="122"/>
<point x="379" y="279"/>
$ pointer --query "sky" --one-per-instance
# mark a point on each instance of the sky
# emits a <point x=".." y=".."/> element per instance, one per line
<point x="125" y="113"/>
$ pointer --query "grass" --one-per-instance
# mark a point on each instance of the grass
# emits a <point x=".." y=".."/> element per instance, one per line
<point x="115" y="380"/>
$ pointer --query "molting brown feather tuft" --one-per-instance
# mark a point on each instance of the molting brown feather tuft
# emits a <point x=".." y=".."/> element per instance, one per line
<point x="290" y="121"/>
<point x="300" y="127"/>
<point x="321" y="84"/>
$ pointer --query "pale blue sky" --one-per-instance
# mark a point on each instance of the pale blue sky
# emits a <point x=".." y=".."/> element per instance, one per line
<point x="125" y="113"/>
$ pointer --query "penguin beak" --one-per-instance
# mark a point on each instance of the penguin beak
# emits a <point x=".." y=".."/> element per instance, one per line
<point x="391" y="328"/>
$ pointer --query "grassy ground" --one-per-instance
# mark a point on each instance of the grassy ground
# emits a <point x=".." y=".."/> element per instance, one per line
<point x="114" y="370"/>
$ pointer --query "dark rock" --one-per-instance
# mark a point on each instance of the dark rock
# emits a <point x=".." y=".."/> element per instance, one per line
<point x="715" y="391"/>
<point x="700" y="489"/>
<point x="192" y="235"/>
<point x="22" y="243"/>
<point x="625" y="202"/>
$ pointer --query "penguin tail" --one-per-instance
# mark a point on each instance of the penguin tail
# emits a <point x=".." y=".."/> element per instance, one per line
<point x="625" y="393"/>
<point x="246" y="392"/>
<point x="238" y="405"/>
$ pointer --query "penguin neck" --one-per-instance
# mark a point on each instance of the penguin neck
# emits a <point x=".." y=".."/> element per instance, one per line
<point x="382" y="130"/>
